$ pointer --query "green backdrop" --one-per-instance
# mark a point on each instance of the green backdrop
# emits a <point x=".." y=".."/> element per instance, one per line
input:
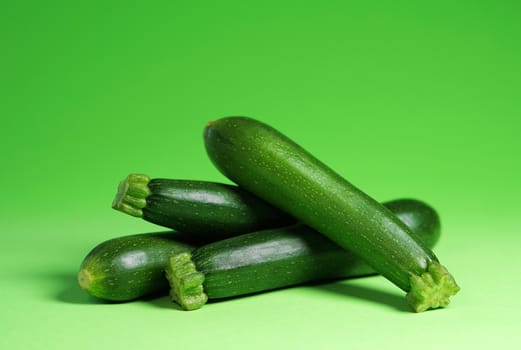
<point x="404" y="98"/>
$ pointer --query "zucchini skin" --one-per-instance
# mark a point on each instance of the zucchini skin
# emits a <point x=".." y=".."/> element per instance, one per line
<point x="267" y="163"/>
<point x="197" y="207"/>
<point x="283" y="257"/>
<point x="129" y="267"/>
<point x="213" y="208"/>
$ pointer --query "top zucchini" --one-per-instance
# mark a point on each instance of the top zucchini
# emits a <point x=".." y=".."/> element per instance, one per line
<point x="270" y="165"/>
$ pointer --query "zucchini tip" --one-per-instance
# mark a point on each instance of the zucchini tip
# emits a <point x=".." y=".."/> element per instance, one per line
<point x="84" y="279"/>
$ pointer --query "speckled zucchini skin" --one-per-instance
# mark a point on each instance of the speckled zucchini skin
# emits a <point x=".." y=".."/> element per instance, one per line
<point x="265" y="162"/>
<point x="210" y="208"/>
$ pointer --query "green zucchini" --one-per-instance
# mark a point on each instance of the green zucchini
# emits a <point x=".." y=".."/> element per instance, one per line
<point x="268" y="164"/>
<point x="270" y="259"/>
<point x="196" y="206"/>
<point x="130" y="267"/>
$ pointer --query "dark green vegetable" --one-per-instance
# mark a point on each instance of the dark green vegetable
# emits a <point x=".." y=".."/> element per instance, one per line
<point x="270" y="165"/>
<point x="276" y="258"/>
<point x="196" y="206"/>
<point x="130" y="267"/>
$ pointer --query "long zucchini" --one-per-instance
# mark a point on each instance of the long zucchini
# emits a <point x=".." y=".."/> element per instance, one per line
<point x="197" y="207"/>
<point x="265" y="260"/>
<point x="270" y="165"/>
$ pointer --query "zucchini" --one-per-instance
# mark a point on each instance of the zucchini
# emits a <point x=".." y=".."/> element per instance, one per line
<point x="130" y="267"/>
<point x="270" y="259"/>
<point x="270" y="165"/>
<point x="196" y="206"/>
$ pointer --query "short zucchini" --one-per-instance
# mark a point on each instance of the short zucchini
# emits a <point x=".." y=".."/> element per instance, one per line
<point x="270" y="259"/>
<point x="268" y="164"/>
<point x="197" y="206"/>
<point x="131" y="267"/>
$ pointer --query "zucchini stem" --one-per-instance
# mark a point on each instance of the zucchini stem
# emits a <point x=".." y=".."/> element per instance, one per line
<point x="132" y="194"/>
<point x="186" y="283"/>
<point x="432" y="289"/>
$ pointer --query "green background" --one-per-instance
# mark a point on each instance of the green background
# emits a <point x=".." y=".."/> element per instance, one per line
<point x="404" y="98"/>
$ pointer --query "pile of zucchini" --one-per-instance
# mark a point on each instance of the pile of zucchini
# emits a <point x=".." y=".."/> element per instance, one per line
<point x="289" y="220"/>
